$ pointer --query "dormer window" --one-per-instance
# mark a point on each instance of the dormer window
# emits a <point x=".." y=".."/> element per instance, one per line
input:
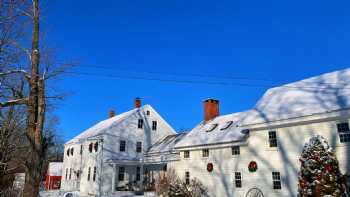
<point x="148" y="112"/>
<point x="227" y="125"/>
<point x="212" y="127"/>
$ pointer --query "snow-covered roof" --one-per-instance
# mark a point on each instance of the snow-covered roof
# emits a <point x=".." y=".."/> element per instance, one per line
<point x="222" y="129"/>
<point x="103" y="126"/>
<point x="316" y="95"/>
<point x="166" y="144"/>
<point x="55" y="169"/>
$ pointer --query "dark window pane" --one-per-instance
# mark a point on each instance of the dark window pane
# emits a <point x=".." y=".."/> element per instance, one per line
<point x="121" y="173"/>
<point x="236" y="150"/>
<point x="140" y="124"/>
<point x="154" y="125"/>
<point x="343" y="127"/>
<point x="138" y="147"/>
<point x="122" y="146"/>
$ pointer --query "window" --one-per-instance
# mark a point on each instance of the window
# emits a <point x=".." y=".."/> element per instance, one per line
<point x="272" y="139"/>
<point x="70" y="173"/>
<point x="72" y="151"/>
<point x="205" y="152"/>
<point x="154" y="125"/>
<point x="90" y="147"/>
<point x="138" y="173"/>
<point x="140" y="124"/>
<point x="165" y="167"/>
<point x="88" y="177"/>
<point x="236" y="150"/>
<point x="94" y="175"/>
<point x="68" y="151"/>
<point x="66" y="173"/>
<point x="212" y="127"/>
<point x="96" y="146"/>
<point x="138" y="147"/>
<point x="227" y="125"/>
<point x="238" y="179"/>
<point x="276" y="180"/>
<point x="81" y="149"/>
<point x="78" y="174"/>
<point x="187" y="178"/>
<point x="344" y="132"/>
<point x="122" y="146"/>
<point x="121" y="173"/>
<point x="186" y="154"/>
<point x="148" y="112"/>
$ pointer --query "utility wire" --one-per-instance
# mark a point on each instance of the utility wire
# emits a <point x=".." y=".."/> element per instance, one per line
<point x="226" y="83"/>
<point x="196" y="75"/>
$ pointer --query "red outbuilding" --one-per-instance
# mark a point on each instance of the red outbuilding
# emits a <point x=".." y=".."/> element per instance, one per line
<point x="53" y="176"/>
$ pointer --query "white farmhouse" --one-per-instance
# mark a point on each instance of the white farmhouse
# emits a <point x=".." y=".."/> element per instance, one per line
<point x="250" y="153"/>
<point x="110" y="155"/>
<point x="256" y="152"/>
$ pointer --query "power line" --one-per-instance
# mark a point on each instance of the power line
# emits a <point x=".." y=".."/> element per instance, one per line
<point x="317" y="88"/>
<point x="197" y="75"/>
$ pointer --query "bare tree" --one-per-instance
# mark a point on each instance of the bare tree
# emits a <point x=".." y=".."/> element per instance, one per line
<point x="26" y="85"/>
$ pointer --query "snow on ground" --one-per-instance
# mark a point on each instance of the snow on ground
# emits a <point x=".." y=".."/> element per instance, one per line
<point x="56" y="193"/>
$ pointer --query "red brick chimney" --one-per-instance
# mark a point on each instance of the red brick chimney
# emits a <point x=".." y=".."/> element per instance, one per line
<point x="137" y="102"/>
<point x="111" y="114"/>
<point x="211" y="109"/>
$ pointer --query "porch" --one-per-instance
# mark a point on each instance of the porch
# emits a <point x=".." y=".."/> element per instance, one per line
<point x="135" y="176"/>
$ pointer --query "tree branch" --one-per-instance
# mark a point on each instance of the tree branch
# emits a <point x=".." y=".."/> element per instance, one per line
<point x="21" y="101"/>
<point x="23" y="72"/>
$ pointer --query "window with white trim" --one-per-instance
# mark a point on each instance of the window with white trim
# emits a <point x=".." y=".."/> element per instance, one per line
<point x="138" y="147"/>
<point x="272" y="139"/>
<point x="122" y="145"/>
<point x="235" y="150"/>
<point x="94" y="175"/>
<point x="138" y="173"/>
<point x="186" y="154"/>
<point x="238" y="179"/>
<point x="276" y="180"/>
<point x="140" y="124"/>
<point x="154" y="125"/>
<point x="205" y="152"/>
<point x="121" y="173"/>
<point x="88" y="176"/>
<point x="187" y="177"/>
<point x="344" y="132"/>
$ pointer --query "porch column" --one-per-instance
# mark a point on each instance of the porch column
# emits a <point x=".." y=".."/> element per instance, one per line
<point x="113" y="178"/>
<point x="141" y="175"/>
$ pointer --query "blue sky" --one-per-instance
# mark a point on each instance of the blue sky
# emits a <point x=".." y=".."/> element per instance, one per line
<point x="259" y="43"/>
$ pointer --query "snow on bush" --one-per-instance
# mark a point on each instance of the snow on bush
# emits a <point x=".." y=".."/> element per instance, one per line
<point x="319" y="172"/>
<point x="170" y="185"/>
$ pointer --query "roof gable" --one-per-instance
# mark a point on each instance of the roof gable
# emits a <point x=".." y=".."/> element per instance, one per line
<point x="316" y="95"/>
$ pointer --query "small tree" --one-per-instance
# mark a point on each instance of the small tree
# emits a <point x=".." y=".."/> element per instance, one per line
<point x="170" y="185"/>
<point x="319" y="173"/>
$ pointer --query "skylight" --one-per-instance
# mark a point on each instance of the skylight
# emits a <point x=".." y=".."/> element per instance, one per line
<point x="212" y="127"/>
<point x="227" y="125"/>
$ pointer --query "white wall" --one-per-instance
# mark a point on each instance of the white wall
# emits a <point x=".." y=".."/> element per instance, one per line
<point x="284" y="159"/>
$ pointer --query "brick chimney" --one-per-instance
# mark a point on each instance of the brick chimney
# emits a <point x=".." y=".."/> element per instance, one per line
<point x="211" y="109"/>
<point x="111" y="114"/>
<point x="137" y="102"/>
